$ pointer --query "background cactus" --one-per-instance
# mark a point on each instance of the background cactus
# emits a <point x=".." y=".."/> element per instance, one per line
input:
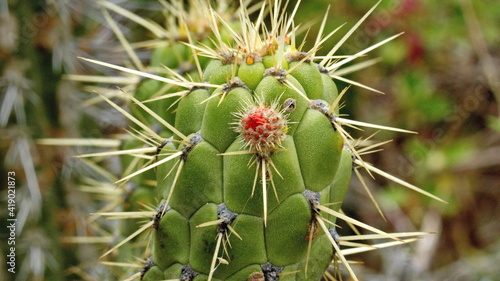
<point x="406" y="87"/>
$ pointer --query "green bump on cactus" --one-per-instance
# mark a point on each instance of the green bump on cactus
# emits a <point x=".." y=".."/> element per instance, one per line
<point x="202" y="238"/>
<point x="163" y="183"/>
<point x="309" y="77"/>
<point x="173" y="272"/>
<point x="203" y="277"/>
<point x="330" y="91"/>
<point x="273" y="88"/>
<point x="200" y="180"/>
<point x="190" y="111"/>
<point x="240" y="252"/>
<point x="250" y="273"/>
<point x="151" y="272"/>
<point x="318" y="148"/>
<point x="342" y="179"/>
<point x="136" y="199"/>
<point x="286" y="231"/>
<point x="286" y="163"/>
<point x="219" y="115"/>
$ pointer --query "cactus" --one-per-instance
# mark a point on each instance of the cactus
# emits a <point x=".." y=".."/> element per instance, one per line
<point x="251" y="163"/>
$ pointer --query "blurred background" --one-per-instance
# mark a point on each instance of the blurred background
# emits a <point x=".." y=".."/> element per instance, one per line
<point x="440" y="79"/>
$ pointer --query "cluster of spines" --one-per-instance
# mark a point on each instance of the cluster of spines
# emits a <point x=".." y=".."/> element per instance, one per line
<point x="263" y="128"/>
